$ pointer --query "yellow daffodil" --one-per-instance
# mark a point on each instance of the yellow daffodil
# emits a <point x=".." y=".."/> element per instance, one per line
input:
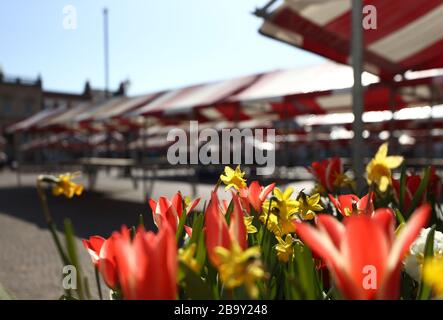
<point x="250" y="228"/>
<point x="65" y="186"/>
<point x="187" y="257"/>
<point x="308" y="205"/>
<point x="187" y="201"/>
<point x="342" y="180"/>
<point x="379" y="168"/>
<point x="318" y="188"/>
<point x="233" y="178"/>
<point x="279" y="212"/>
<point x="433" y="274"/>
<point x="284" y="248"/>
<point x="238" y="267"/>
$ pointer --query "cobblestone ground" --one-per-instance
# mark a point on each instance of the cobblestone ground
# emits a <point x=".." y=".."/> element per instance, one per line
<point x="29" y="265"/>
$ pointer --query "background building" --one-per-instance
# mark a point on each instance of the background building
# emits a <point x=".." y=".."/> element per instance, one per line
<point x="21" y="98"/>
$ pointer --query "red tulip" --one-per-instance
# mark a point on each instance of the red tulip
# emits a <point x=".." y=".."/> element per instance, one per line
<point x="434" y="184"/>
<point x="93" y="246"/>
<point x="147" y="265"/>
<point x="102" y="255"/>
<point x="363" y="254"/>
<point x="255" y="195"/>
<point x="326" y="172"/>
<point x="216" y="228"/>
<point x="347" y="204"/>
<point x="412" y="182"/>
<point x="171" y="211"/>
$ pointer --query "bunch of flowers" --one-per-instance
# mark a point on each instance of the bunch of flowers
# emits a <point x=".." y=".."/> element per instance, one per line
<point x="335" y="242"/>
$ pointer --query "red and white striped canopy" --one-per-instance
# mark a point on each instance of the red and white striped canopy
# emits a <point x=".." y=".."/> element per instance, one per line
<point x="408" y="34"/>
<point x="269" y="96"/>
<point x="35" y="120"/>
<point x="250" y="97"/>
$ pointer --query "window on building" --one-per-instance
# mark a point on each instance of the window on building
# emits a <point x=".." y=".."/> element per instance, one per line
<point x="7" y="107"/>
<point x="28" y="107"/>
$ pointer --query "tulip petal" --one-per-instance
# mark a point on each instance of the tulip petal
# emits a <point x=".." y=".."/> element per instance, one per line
<point x="237" y="227"/>
<point x="408" y="234"/>
<point x="254" y="195"/>
<point x="93" y="246"/>
<point x="363" y="205"/>
<point x="319" y="242"/>
<point x="365" y="248"/>
<point x="266" y="191"/>
<point x="385" y="218"/>
<point x="192" y="205"/>
<point x="108" y="267"/>
<point x="216" y="229"/>
<point x="153" y="205"/>
<point x="332" y="227"/>
<point x="188" y="230"/>
<point x="168" y="211"/>
<point x="177" y="203"/>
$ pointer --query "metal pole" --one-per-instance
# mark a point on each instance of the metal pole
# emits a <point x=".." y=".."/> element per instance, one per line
<point x="357" y="92"/>
<point x="392" y="141"/>
<point x="106" y="50"/>
<point x="194" y="171"/>
<point x="429" y="142"/>
<point x="18" y="157"/>
<point x="143" y="160"/>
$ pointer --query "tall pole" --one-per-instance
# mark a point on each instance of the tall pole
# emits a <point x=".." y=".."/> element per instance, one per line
<point x="357" y="92"/>
<point x="106" y="50"/>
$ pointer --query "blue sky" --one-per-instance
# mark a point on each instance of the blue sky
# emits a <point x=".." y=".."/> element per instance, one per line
<point x="157" y="44"/>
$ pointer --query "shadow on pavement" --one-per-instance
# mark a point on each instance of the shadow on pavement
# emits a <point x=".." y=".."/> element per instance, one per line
<point x="93" y="213"/>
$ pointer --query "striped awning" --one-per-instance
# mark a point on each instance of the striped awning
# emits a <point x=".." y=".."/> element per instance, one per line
<point x="408" y="33"/>
<point x="276" y="95"/>
<point x="250" y="97"/>
<point x="31" y="122"/>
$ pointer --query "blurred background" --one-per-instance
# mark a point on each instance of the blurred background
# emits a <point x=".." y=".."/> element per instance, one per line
<point x="96" y="87"/>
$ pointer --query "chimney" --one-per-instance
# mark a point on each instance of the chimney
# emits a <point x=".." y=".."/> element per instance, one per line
<point x="87" y="90"/>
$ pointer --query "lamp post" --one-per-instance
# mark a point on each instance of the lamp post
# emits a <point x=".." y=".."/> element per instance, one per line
<point x="106" y="50"/>
<point x="357" y="92"/>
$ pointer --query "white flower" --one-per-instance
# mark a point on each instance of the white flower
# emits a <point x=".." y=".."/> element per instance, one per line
<point x="414" y="261"/>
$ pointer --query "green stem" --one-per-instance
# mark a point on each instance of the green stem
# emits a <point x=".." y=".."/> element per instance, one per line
<point x="219" y="182"/>
<point x="266" y="224"/>
<point x="371" y="190"/>
<point x="97" y="280"/>
<point x="58" y="244"/>
<point x="48" y="218"/>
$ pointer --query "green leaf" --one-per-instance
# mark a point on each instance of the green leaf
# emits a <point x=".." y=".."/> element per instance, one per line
<point x="424" y="290"/>
<point x="72" y="255"/>
<point x="197" y="227"/>
<point x="200" y="256"/>
<point x="4" y="294"/>
<point x="399" y="216"/>
<point x="421" y="189"/>
<point x="212" y="279"/>
<point x="306" y="271"/>
<point x="402" y="185"/>
<point x="196" y="288"/>
<point x="141" y="221"/>
<point x="55" y="238"/>
<point x="229" y="211"/>
<point x="181" y="225"/>
<point x="198" y="237"/>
